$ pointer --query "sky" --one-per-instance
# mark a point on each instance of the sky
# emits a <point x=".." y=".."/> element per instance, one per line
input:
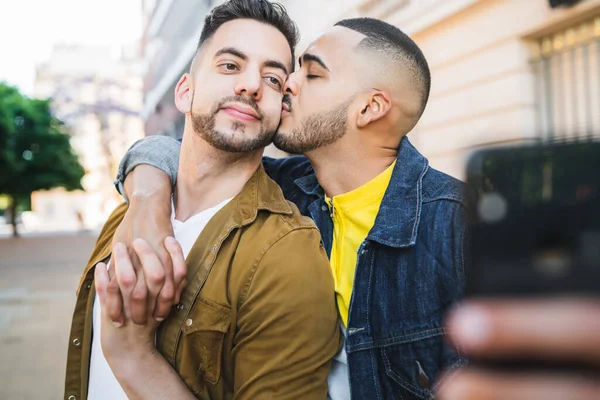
<point x="30" y="28"/>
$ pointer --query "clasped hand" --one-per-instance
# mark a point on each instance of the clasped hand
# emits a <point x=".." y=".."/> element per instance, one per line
<point x="129" y="298"/>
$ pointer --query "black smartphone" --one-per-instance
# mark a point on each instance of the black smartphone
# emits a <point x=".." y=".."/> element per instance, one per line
<point x="534" y="221"/>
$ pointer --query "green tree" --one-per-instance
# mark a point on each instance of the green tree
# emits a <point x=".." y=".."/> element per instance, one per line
<point x="35" y="150"/>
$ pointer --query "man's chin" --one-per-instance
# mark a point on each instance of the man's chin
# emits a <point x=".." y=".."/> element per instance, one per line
<point x="281" y="140"/>
<point x="286" y="125"/>
<point x="236" y="129"/>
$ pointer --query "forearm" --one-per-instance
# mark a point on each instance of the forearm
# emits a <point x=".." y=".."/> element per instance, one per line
<point x="150" y="377"/>
<point x="148" y="186"/>
<point x="149" y="213"/>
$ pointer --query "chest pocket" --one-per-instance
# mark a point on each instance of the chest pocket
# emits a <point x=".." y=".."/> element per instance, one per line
<point x="203" y="336"/>
<point x="414" y="367"/>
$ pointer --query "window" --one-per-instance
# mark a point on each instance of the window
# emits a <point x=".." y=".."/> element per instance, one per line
<point x="567" y="68"/>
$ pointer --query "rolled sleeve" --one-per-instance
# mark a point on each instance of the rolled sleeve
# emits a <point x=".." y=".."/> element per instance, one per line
<point x="161" y="152"/>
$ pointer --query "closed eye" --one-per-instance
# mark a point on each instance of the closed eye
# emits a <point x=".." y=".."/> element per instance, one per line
<point x="312" y="76"/>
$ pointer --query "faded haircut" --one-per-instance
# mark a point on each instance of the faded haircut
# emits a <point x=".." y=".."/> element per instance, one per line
<point x="390" y="42"/>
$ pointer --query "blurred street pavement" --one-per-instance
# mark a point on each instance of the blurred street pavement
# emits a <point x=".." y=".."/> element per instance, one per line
<point x="38" y="279"/>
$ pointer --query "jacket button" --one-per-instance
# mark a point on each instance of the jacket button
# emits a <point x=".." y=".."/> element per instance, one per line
<point x="189" y="322"/>
<point x="423" y="381"/>
<point x="71" y="397"/>
<point x="88" y="286"/>
<point x="423" y="378"/>
<point x="76" y="342"/>
<point x="324" y="208"/>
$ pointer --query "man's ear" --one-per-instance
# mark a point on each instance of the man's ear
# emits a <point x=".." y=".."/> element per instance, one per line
<point x="376" y="106"/>
<point x="184" y="93"/>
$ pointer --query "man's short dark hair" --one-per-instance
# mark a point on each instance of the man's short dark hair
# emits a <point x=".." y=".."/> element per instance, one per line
<point x="391" y="41"/>
<point x="264" y="11"/>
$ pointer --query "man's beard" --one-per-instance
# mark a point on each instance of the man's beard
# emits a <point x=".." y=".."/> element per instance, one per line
<point x="317" y="130"/>
<point x="237" y="141"/>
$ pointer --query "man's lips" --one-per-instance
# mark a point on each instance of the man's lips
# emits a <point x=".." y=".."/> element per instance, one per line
<point x="241" y="112"/>
<point x="285" y="108"/>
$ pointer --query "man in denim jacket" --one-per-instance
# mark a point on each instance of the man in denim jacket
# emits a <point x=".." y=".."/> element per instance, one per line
<point x="392" y="226"/>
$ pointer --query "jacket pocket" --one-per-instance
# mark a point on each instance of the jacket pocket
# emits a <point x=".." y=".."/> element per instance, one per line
<point x="202" y="343"/>
<point x="414" y="367"/>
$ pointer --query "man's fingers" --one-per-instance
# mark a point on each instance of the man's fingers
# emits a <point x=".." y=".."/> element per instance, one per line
<point x="179" y="264"/>
<point x="153" y="271"/>
<point x="166" y="296"/>
<point x="179" y="267"/>
<point x="560" y="329"/>
<point x="164" y="300"/>
<point x="474" y="384"/>
<point x="109" y="295"/>
<point x="125" y="278"/>
<point x="107" y="291"/>
<point x="124" y="271"/>
<point x="114" y="303"/>
<point x="111" y="270"/>
<point x="101" y="281"/>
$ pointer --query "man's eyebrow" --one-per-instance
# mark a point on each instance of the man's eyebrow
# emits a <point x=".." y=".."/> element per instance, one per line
<point x="232" y="51"/>
<point x="235" y="52"/>
<point x="276" y="64"/>
<point x="311" y="57"/>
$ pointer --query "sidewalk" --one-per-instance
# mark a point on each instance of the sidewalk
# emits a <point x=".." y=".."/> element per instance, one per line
<point x="38" y="279"/>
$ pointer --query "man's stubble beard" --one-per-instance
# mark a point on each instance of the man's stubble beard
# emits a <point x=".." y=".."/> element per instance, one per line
<point x="317" y="130"/>
<point x="236" y="141"/>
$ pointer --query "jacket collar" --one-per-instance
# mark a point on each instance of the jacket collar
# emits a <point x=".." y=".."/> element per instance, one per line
<point x="397" y="222"/>
<point x="398" y="219"/>
<point x="259" y="193"/>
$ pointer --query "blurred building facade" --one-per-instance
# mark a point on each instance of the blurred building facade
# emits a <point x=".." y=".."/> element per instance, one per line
<point x="171" y="33"/>
<point x="503" y="71"/>
<point x="98" y="95"/>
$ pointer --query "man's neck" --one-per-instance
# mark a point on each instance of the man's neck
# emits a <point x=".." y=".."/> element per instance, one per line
<point x="207" y="176"/>
<point x="343" y="167"/>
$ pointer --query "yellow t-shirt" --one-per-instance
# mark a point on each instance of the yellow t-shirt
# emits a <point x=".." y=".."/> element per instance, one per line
<point x="354" y="215"/>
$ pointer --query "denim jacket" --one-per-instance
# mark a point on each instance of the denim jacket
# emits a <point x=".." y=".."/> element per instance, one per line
<point x="410" y="269"/>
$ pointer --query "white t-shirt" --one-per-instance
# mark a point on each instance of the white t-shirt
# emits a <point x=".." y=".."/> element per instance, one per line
<point x="338" y="379"/>
<point x="102" y="383"/>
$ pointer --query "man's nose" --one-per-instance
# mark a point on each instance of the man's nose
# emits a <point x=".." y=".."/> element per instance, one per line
<point x="292" y="86"/>
<point x="249" y="84"/>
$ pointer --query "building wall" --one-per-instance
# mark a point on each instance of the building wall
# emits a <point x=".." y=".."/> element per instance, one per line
<point x="483" y="84"/>
<point x="170" y="39"/>
<point x="98" y="95"/>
